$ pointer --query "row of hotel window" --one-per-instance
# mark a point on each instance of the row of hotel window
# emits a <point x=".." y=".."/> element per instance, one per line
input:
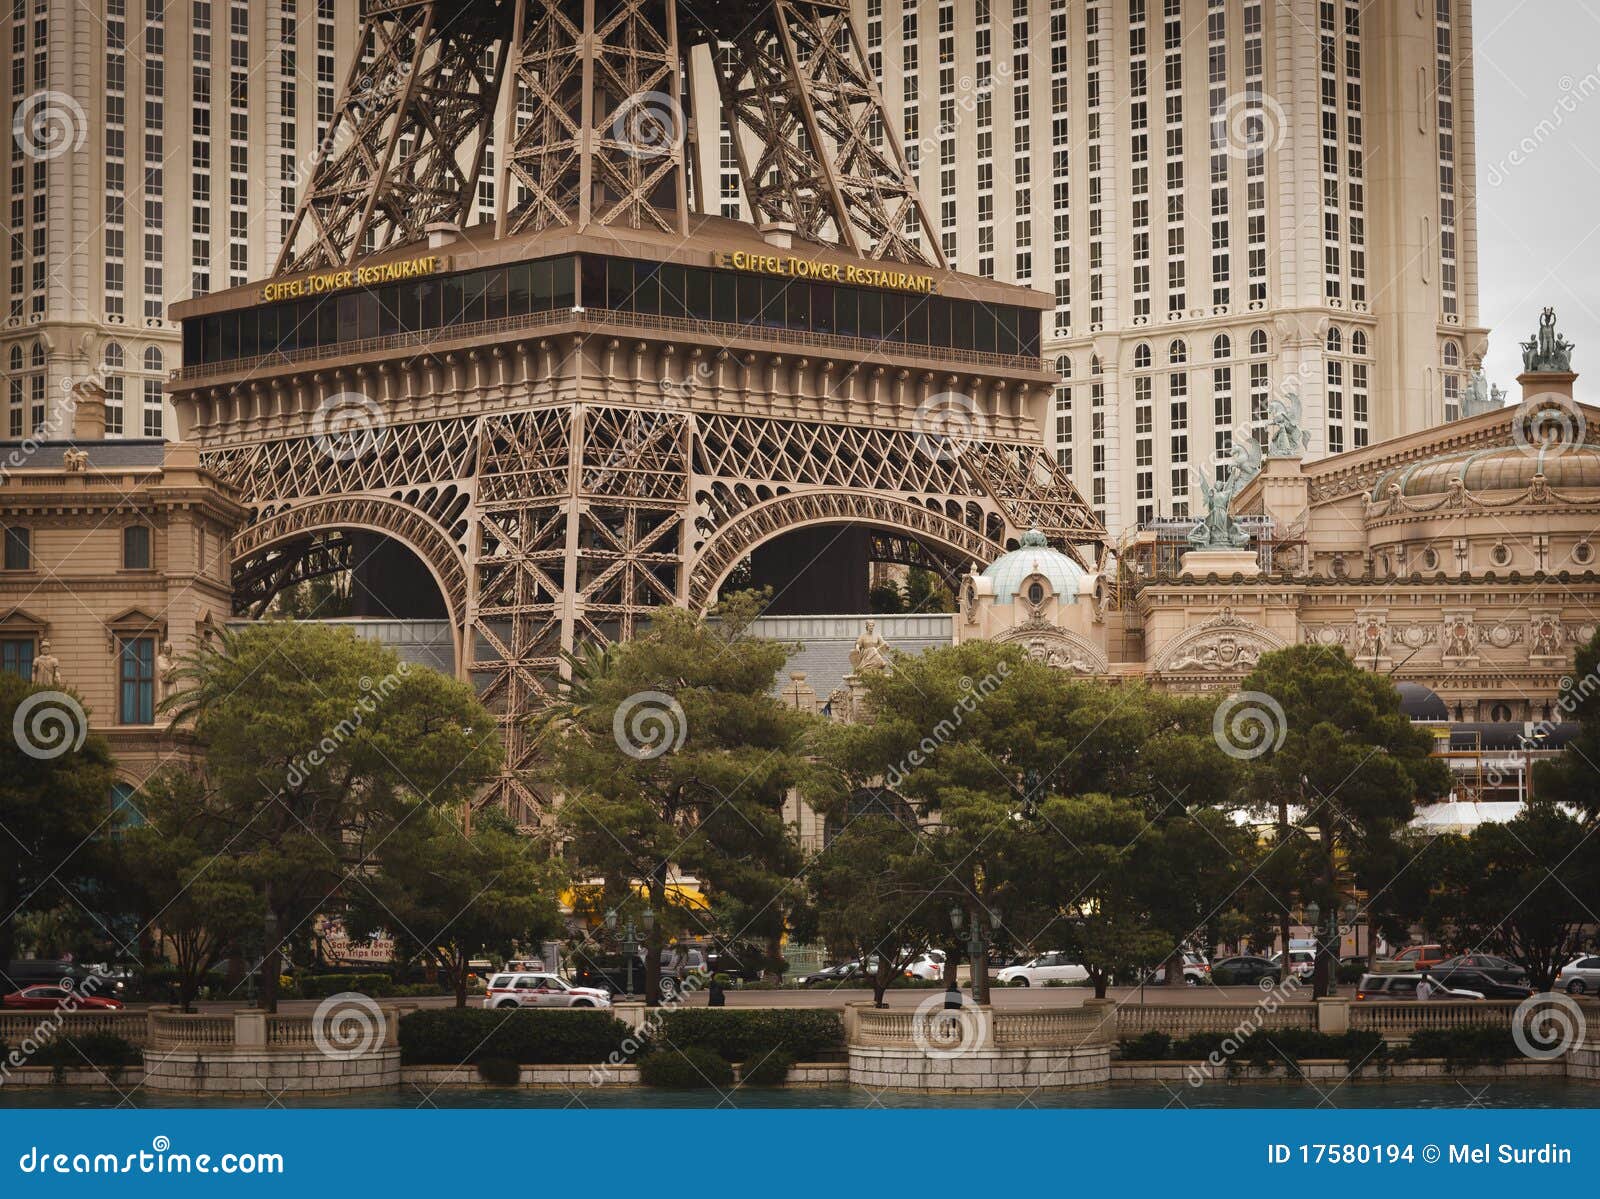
<point x="135" y="547"/>
<point x="136" y="673"/>
<point x="136" y="656"/>
<point x="618" y="284"/>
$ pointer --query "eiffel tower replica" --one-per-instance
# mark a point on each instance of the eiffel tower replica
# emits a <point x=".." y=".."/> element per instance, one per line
<point x="543" y="427"/>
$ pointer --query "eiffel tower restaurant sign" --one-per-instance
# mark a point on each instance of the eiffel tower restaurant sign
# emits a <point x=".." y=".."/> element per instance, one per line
<point x="815" y="269"/>
<point x="359" y="276"/>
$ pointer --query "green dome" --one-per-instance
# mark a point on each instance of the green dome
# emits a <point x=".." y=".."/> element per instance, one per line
<point x="1035" y="556"/>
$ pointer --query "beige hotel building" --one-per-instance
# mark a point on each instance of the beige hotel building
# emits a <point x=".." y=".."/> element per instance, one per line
<point x="1227" y="198"/>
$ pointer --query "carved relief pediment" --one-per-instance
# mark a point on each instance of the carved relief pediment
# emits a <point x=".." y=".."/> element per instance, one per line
<point x="1222" y="644"/>
<point x="1058" y="647"/>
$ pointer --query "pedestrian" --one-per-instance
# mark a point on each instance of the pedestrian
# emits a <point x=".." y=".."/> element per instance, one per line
<point x="714" y="994"/>
<point x="1423" y="988"/>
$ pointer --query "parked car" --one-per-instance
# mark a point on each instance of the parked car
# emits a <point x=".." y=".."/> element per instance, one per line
<point x="32" y="972"/>
<point x="1243" y="970"/>
<point x="1465" y="979"/>
<point x="1417" y="957"/>
<point x="1502" y="970"/>
<point x="541" y="990"/>
<point x="1046" y="967"/>
<point x="742" y="961"/>
<point x="1302" y="962"/>
<point x="49" y="998"/>
<point x="1404" y="986"/>
<point x="1580" y="976"/>
<point x="929" y="966"/>
<point x="835" y="975"/>
<point x="609" y="972"/>
<point x="1196" y="972"/>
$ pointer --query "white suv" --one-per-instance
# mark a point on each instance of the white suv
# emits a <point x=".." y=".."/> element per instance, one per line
<point x="540" y="990"/>
<point x="929" y="966"/>
<point x="1047" y="967"/>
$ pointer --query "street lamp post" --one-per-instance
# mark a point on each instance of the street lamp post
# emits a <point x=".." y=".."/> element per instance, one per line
<point x="977" y="941"/>
<point x="630" y="937"/>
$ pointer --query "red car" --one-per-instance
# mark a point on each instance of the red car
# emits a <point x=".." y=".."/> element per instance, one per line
<point x="1420" y="957"/>
<point x="50" y="998"/>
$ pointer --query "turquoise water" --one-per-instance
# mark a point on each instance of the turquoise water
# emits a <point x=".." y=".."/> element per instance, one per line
<point x="1545" y="1094"/>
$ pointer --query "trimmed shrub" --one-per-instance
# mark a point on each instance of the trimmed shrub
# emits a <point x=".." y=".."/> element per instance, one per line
<point x="689" y="1069"/>
<point x="100" y="1050"/>
<point x="1146" y="1047"/>
<point x="452" y="1036"/>
<point x="1264" y="1049"/>
<point x="748" y="1034"/>
<point x="769" y="1071"/>
<point x="1470" y="1046"/>
<point x="320" y="986"/>
<point x="501" y="1070"/>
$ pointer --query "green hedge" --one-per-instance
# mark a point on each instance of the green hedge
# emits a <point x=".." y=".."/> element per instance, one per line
<point x="1263" y="1049"/>
<point x="455" y="1036"/>
<point x="320" y="986"/>
<point x="749" y="1034"/>
<point x="100" y="1050"/>
<point x="689" y="1069"/>
<point x="769" y="1071"/>
<point x="1458" y="1047"/>
<point x="1470" y="1046"/>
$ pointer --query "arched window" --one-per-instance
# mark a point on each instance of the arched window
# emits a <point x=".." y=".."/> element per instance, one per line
<point x="1222" y="346"/>
<point x="1064" y="366"/>
<point x="1358" y="343"/>
<point x="1335" y="341"/>
<point x="1452" y="381"/>
<point x="1095" y="367"/>
<point x="1141" y="357"/>
<point x="1177" y="352"/>
<point x="37" y="356"/>
<point x="1258" y="341"/>
<point x="115" y="360"/>
<point x="16" y="358"/>
<point x="153" y="360"/>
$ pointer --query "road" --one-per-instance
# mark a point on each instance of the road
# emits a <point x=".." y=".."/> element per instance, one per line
<point x="1004" y="998"/>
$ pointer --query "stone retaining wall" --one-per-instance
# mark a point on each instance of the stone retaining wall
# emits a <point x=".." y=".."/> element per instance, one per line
<point x="1430" y="1070"/>
<point x="980" y="1069"/>
<point x="801" y="1074"/>
<point x="250" y="1071"/>
<point x="87" y="1076"/>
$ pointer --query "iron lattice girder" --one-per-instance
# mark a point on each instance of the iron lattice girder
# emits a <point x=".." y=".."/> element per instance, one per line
<point x="407" y="140"/>
<point x="598" y="125"/>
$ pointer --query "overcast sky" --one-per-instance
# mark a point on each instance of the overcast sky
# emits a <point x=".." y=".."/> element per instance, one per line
<point x="1538" y="78"/>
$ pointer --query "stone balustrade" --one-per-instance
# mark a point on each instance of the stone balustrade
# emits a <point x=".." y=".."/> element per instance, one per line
<point x="976" y="1048"/>
<point x="1182" y="1019"/>
<point x="1397" y="1021"/>
<point x="21" y="1028"/>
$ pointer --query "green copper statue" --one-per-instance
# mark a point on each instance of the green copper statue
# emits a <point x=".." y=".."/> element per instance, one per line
<point x="1217" y="528"/>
